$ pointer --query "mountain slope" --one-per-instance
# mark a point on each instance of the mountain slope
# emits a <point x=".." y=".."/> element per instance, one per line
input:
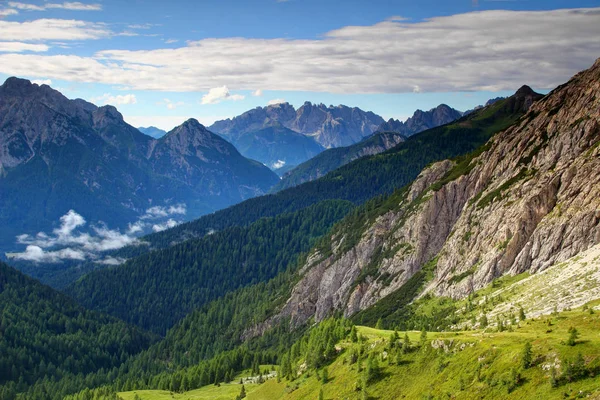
<point x="46" y="335"/>
<point x="422" y="120"/>
<point x="332" y="159"/>
<point x="329" y="126"/>
<point x="277" y="147"/>
<point x="58" y="154"/>
<point x="172" y="282"/>
<point x="360" y="180"/>
<point x="525" y="200"/>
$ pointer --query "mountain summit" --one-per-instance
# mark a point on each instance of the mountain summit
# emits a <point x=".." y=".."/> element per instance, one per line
<point x="421" y="121"/>
<point x="332" y="126"/>
<point x="58" y="154"/>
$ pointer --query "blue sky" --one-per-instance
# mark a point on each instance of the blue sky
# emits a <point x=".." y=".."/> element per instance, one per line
<point x="163" y="62"/>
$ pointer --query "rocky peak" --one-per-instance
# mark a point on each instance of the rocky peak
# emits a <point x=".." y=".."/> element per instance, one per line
<point x="527" y="202"/>
<point x="105" y="115"/>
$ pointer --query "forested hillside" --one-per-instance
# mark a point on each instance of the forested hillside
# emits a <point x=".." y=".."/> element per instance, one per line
<point x="334" y="158"/>
<point x="46" y="336"/>
<point x="358" y="181"/>
<point x="157" y="289"/>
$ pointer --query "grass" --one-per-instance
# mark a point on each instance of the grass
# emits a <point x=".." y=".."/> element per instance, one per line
<point x="477" y="365"/>
<point x="224" y="392"/>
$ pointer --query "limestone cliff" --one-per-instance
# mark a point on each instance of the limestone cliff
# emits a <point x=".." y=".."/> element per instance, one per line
<point x="528" y="199"/>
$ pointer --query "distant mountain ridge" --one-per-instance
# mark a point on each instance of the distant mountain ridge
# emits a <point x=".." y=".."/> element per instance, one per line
<point x="277" y="147"/>
<point x="422" y="120"/>
<point x="153" y="131"/>
<point x="332" y="126"/>
<point x="58" y="154"/>
<point x="332" y="159"/>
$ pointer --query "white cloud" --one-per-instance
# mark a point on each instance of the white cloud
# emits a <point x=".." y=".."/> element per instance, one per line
<point x="278" y="164"/>
<point x="68" y="5"/>
<point x="275" y="101"/>
<point x="164" y="226"/>
<point x="171" y="105"/>
<point x="112" y="261"/>
<point x="219" y="94"/>
<point x="8" y="11"/>
<point x="160" y="211"/>
<point x="120" y="99"/>
<point x="19" y="47"/>
<point x="52" y="29"/>
<point x="42" y="82"/>
<point x="67" y="242"/>
<point x="37" y="254"/>
<point x="169" y="41"/>
<point x="481" y="50"/>
<point x="257" y="93"/>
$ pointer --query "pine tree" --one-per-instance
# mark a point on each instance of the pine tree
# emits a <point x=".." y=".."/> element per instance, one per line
<point x="522" y="316"/>
<point x="573" y="335"/>
<point x="242" y="392"/>
<point x="353" y="335"/>
<point x="325" y="376"/>
<point x="321" y="397"/>
<point x="526" y="357"/>
<point x="483" y="321"/>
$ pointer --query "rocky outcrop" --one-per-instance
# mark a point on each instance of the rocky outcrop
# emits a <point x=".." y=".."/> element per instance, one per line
<point x="421" y="121"/>
<point x="529" y="200"/>
<point x="329" y="126"/>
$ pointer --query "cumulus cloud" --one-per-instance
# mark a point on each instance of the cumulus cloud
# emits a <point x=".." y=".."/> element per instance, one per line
<point x="219" y="94"/>
<point x="278" y="164"/>
<point x="257" y="93"/>
<point x="68" y="242"/>
<point x="42" y="82"/>
<point x="68" y="5"/>
<point x="164" y="226"/>
<point x="275" y="101"/>
<point x="52" y="29"/>
<point x="479" y="50"/>
<point x="120" y="99"/>
<point x="19" y="47"/>
<point x="8" y="11"/>
<point x="171" y="105"/>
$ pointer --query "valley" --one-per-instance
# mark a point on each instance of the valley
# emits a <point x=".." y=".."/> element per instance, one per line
<point x="245" y="243"/>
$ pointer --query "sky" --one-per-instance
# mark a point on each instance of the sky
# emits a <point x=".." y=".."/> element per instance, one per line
<point x="161" y="62"/>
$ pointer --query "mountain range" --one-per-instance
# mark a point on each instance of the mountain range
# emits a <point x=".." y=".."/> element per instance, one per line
<point x="328" y="126"/>
<point x="58" y="155"/>
<point x="421" y="121"/>
<point x="461" y="262"/>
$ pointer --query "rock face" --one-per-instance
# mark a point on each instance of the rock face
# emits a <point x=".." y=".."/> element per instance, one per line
<point x="421" y="121"/>
<point x="329" y="126"/>
<point x="530" y="199"/>
<point x="58" y="154"/>
<point x="332" y="159"/>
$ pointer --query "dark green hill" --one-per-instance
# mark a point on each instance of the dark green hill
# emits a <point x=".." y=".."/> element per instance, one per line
<point x="358" y="181"/>
<point x="332" y="159"/>
<point x="46" y="335"/>
<point x="157" y="289"/>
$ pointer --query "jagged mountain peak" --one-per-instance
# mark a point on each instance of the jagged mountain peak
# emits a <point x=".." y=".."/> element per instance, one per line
<point x="107" y="112"/>
<point x="525" y="91"/>
<point x="527" y="200"/>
